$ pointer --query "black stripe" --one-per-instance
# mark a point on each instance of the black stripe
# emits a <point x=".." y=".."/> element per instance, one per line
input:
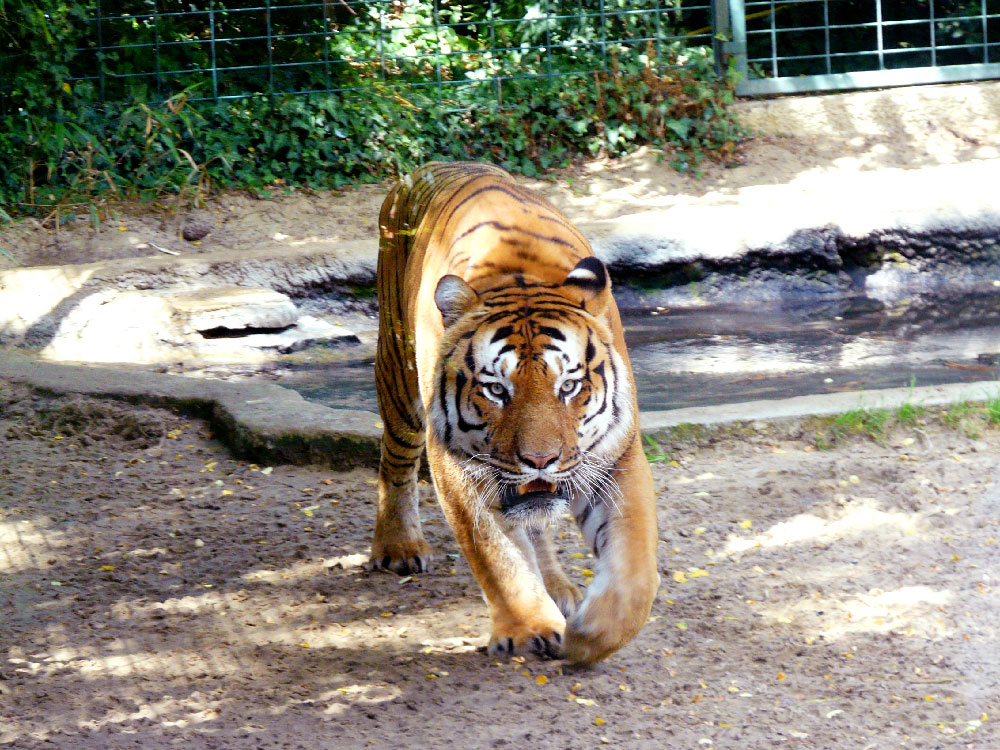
<point x="383" y="391"/>
<point x="555" y="240"/>
<point x="552" y="333"/>
<point x="394" y="372"/>
<point x="509" y="190"/>
<point x="397" y="464"/>
<point x="416" y="447"/>
<point x="599" y="371"/>
<point x="443" y="396"/>
<point x="460" y="382"/>
<point x="615" y="409"/>
<point x="470" y="361"/>
<point x="501" y="333"/>
<point x="566" y="225"/>
<point x="600" y="543"/>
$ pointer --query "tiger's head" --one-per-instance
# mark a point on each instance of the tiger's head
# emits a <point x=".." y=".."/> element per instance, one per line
<point x="531" y="395"/>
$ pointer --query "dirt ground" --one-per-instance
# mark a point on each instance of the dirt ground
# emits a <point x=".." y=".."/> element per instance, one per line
<point x="595" y="189"/>
<point x="157" y="592"/>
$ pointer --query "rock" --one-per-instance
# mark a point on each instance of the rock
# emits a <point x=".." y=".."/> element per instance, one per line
<point x="195" y="229"/>
<point x="234" y="308"/>
<point x="115" y="326"/>
<point x="231" y="324"/>
<point x="307" y="331"/>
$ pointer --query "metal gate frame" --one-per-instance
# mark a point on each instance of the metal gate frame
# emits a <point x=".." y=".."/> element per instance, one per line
<point x="731" y="45"/>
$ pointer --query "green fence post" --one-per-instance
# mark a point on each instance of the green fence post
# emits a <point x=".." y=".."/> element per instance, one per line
<point x="736" y="47"/>
<point x="721" y="29"/>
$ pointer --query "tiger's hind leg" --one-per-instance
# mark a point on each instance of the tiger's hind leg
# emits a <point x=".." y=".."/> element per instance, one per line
<point x="564" y="592"/>
<point x="398" y="543"/>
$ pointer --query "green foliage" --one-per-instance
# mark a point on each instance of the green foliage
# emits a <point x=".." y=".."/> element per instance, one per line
<point x="860" y="421"/>
<point x="955" y="414"/>
<point x="654" y="451"/>
<point x="876" y="424"/>
<point x="993" y="411"/>
<point x="870" y="422"/>
<point x="61" y="142"/>
<point x="909" y="414"/>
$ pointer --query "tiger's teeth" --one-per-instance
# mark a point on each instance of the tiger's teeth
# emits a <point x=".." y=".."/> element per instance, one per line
<point x="533" y="486"/>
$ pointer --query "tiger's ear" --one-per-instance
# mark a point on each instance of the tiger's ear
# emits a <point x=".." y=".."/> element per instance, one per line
<point x="590" y="278"/>
<point x="454" y="298"/>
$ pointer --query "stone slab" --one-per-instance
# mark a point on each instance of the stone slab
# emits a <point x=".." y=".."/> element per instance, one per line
<point x="259" y="421"/>
<point x="271" y="424"/>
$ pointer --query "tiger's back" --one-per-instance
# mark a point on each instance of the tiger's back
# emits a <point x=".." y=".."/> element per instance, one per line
<point x="501" y="352"/>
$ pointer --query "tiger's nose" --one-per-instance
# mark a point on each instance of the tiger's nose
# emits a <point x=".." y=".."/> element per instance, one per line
<point x="539" y="461"/>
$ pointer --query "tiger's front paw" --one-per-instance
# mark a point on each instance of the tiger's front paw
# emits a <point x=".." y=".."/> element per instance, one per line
<point x="608" y="620"/>
<point x="404" y="558"/>
<point x="546" y="643"/>
<point x="590" y="642"/>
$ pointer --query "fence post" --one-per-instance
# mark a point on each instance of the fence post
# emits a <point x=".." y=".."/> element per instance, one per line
<point x="735" y="34"/>
<point x="720" y="32"/>
<point x="100" y="51"/>
<point x="215" y="60"/>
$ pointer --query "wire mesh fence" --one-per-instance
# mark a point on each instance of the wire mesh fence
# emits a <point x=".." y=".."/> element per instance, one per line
<point x="811" y="39"/>
<point x="226" y="49"/>
<point x="826" y="36"/>
<point x="466" y="51"/>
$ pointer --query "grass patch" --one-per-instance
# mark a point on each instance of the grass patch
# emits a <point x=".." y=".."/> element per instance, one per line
<point x="957" y="412"/>
<point x="687" y="432"/>
<point x="909" y="414"/>
<point x="860" y="421"/>
<point x="654" y="451"/>
<point x="872" y="423"/>
<point x="880" y="425"/>
<point x="993" y="411"/>
<point x="970" y="417"/>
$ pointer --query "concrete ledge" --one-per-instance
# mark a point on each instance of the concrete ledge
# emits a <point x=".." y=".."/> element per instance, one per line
<point x="258" y="421"/>
<point x="271" y="424"/>
<point x="656" y="422"/>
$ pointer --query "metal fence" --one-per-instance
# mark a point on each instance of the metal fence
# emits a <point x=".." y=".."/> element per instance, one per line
<point x="813" y="45"/>
<point x="225" y="49"/>
<point x="466" y="51"/>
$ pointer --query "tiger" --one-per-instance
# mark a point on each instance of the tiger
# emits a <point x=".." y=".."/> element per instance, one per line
<point x="501" y="354"/>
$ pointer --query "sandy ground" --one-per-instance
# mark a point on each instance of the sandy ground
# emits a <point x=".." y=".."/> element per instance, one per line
<point x="159" y="593"/>
<point x="595" y="189"/>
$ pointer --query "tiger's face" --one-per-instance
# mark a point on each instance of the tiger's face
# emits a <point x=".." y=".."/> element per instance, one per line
<point x="531" y="394"/>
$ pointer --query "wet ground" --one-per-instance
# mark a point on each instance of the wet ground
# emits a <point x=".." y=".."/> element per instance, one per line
<point x="716" y="355"/>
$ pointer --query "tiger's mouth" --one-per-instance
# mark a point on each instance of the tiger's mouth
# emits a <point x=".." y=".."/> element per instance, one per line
<point x="532" y="504"/>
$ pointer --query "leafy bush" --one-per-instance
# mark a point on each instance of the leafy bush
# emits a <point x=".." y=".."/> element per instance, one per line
<point x="60" y="142"/>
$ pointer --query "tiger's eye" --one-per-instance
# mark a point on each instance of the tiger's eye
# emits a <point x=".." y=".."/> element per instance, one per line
<point x="569" y="386"/>
<point x="496" y="389"/>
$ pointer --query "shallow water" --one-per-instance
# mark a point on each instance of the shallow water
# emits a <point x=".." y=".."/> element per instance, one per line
<point x="714" y="355"/>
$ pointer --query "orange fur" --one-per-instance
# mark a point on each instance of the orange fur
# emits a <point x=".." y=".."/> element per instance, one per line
<point x="471" y="265"/>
